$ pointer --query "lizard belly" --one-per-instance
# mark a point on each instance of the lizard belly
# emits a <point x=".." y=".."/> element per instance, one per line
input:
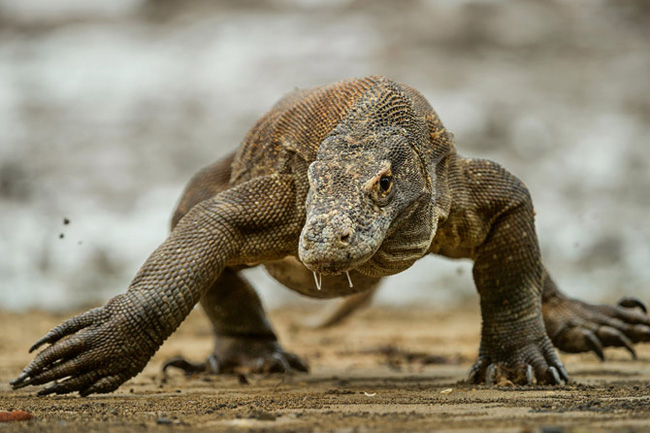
<point x="294" y="275"/>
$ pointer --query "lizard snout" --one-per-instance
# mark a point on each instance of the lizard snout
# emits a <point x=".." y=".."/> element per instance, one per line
<point x="330" y="231"/>
<point x="338" y="233"/>
<point x="327" y="243"/>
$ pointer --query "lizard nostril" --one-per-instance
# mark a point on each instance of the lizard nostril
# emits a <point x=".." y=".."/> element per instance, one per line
<point x="345" y="237"/>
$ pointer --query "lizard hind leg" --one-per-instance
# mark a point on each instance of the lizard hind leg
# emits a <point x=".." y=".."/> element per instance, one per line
<point x="576" y="326"/>
<point x="245" y="341"/>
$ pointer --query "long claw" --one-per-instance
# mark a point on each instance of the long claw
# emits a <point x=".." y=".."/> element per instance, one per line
<point x="613" y="337"/>
<point x="276" y="364"/>
<point x="630" y="348"/>
<point x="633" y="302"/>
<point x="556" y="375"/>
<point x="185" y="365"/>
<point x="19" y="381"/>
<point x="490" y="374"/>
<point x="296" y="363"/>
<point x="563" y="373"/>
<point x="530" y="375"/>
<point x="212" y="364"/>
<point x="595" y="345"/>
<point x="473" y="375"/>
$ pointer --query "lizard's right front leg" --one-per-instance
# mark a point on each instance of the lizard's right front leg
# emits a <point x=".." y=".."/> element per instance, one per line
<point x="99" y="350"/>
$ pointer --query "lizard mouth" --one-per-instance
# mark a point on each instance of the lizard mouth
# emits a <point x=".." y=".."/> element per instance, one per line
<point x="327" y="267"/>
<point x="327" y="259"/>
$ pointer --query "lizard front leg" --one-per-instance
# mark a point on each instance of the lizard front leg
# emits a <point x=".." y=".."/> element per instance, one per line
<point x="576" y="326"/>
<point x="508" y="275"/>
<point x="244" y="339"/>
<point x="99" y="350"/>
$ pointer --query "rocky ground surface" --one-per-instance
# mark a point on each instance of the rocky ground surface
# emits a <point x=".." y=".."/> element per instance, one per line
<point x="383" y="370"/>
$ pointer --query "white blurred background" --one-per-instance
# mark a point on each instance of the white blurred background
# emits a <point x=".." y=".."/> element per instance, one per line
<point x="108" y="107"/>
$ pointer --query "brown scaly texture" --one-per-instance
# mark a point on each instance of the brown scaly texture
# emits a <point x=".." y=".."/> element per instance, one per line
<point x="331" y="190"/>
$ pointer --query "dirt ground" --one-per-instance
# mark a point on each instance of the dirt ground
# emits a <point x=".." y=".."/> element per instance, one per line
<point x="383" y="370"/>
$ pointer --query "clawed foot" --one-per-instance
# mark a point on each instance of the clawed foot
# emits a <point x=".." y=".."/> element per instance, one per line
<point x="242" y="355"/>
<point x="575" y="326"/>
<point x="529" y="365"/>
<point x="94" y="352"/>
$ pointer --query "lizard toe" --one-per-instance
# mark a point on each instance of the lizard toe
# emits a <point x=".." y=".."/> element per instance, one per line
<point x="577" y="326"/>
<point x="632" y="302"/>
<point x="501" y="374"/>
<point x="72" y="384"/>
<point x="615" y="338"/>
<point x="297" y="363"/>
<point x="187" y="366"/>
<point x="273" y="363"/>
<point x="554" y="378"/>
<point x="260" y="357"/>
<point x="579" y="339"/>
<point x="103" y="385"/>
<point x="527" y="365"/>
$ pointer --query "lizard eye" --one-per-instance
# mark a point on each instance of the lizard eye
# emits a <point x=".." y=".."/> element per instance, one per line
<point x="385" y="182"/>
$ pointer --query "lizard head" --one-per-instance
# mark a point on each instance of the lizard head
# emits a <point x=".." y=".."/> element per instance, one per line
<point x="370" y="205"/>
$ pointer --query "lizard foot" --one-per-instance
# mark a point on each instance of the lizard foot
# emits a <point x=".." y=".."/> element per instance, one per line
<point x="242" y="355"/>
<point x="94" y="352"/>
<point x="528" y="365"/>
<point x="575" y="326"/>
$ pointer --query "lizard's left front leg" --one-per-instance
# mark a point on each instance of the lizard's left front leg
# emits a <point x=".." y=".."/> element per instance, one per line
<point x="508" y="275"/>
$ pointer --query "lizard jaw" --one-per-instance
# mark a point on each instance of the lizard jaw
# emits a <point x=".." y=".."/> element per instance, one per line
<point x="333" y="268"/>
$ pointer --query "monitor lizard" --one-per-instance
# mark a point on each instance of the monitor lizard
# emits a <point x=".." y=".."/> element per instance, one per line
<point x="331" y="190"/>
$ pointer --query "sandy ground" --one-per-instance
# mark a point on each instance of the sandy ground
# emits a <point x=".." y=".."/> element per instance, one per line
<point x="384" y="370"/>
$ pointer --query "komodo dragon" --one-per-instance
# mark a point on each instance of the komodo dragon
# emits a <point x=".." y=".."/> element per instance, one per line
<point x="331" y="190"/>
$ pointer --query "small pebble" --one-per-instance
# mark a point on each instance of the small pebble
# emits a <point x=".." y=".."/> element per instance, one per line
<point x="264" y="416"/>
<point x="551" y="429"/>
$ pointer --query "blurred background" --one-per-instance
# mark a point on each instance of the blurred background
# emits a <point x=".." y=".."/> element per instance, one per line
<point x="108" y="107"/>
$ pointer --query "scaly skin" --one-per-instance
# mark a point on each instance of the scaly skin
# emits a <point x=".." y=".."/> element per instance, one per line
<point x="356" y="180"/>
